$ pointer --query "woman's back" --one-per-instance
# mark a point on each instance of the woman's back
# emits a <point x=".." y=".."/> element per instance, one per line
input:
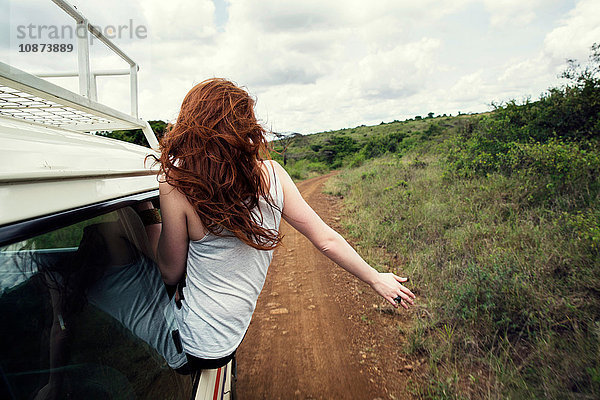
<point x="224" y="279"/>
<point x="214" y="181"/>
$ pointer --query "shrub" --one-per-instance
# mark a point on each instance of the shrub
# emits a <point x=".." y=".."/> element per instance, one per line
<point x="336" y="148"/>
<point x="549" y="171"/>
<point x="379" y="145"/>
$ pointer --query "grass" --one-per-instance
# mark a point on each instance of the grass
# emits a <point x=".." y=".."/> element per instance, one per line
<point x="508" y="289"/>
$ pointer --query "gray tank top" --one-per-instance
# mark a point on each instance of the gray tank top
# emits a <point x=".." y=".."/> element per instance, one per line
<point x="224" y="278"/>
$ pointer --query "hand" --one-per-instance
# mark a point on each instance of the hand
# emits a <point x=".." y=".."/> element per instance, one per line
<point x="389" y="286"/>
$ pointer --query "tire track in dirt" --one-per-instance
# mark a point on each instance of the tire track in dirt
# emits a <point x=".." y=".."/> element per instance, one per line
<point x="318" y="332"/>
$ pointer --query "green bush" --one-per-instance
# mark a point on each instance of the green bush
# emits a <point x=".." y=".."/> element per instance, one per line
<point x="563" y="127"/>
<point x="379" y="145"/>
<point x="550" y="171"/>
<point x="335" y="149"/>
<point x="433" y="129"/>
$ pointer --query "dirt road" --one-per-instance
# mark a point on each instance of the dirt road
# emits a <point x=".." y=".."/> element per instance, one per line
<point x="318" y="332"/>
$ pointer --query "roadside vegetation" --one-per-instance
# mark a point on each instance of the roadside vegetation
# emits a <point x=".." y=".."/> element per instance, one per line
<point x="496" y="219"/>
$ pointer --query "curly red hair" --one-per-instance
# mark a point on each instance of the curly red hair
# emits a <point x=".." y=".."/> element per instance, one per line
<point x="213" y="155"/>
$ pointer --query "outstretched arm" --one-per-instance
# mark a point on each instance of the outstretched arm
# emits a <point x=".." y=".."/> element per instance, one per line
<point x="303" y="218"/>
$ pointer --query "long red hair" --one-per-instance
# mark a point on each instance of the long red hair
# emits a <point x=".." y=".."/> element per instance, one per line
<point x="213" y="156"/>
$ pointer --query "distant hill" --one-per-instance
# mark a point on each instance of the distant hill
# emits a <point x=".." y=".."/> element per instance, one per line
<point x="313" y="154"/>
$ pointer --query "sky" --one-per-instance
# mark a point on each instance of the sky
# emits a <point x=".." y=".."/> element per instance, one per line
<point x="316" y="65"/>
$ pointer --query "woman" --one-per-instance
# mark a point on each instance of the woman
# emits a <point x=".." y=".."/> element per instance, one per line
<point x="221" y="202"/>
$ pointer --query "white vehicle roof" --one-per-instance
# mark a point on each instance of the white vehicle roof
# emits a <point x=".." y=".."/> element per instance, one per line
<point x="45" y="170"/>
<point x="50" y="160"/>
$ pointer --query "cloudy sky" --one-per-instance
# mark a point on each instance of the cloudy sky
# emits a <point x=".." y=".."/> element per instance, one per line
<point x="316" y="65"/>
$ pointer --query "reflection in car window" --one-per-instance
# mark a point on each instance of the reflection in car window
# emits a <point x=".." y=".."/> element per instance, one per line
<point x="86" y="315"/>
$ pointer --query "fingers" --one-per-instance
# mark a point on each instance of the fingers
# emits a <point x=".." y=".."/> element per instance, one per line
<point x="403" y="304"/>
<point x="398" y="300"/>
<point x="407" y="291"/>
<point x="404" y="288"/>
<point x="401" y="299"/>
<point x="392" y="301"/>
<point x="406" y="298"/>
<point x="394" y="292"/>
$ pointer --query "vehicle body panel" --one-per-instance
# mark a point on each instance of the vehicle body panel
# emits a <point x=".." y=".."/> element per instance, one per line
<point x="44" y="170"/>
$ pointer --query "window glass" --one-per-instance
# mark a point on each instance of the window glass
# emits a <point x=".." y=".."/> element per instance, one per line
<point x="85" y="315"/>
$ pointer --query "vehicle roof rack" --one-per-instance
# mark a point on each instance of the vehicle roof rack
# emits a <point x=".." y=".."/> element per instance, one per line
<point x="27" y="97"/>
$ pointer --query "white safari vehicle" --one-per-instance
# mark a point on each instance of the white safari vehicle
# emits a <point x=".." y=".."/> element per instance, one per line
<point x="84" y="313"/>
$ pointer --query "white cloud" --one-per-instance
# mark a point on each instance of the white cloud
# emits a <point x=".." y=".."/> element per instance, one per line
<point x="531" y="76"/>
<point x="324" y="64"/>
<point x="571" y="39"/>
<point x="179" y="19"/>
<point x="468" y="88"/>
<point x="395" y="73"/>
<point x="511" y="12"/>
<point x="318" y="64"/>
<point x="576" y="33"/>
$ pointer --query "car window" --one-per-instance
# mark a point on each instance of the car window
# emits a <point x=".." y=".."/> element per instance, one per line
<point x="85" y="315"/>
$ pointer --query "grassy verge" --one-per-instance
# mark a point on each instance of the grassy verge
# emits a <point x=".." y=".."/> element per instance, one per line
<point x="508" y="289"/>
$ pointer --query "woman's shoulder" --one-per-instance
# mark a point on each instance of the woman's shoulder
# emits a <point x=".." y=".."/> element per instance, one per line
<point x="273" y="173"/>
<point x="166" y="189"/>
<point x="274" y="166"/>
<point x="270" y="167"/>
<point x="171" y="195"/>
<point x="270" y="162"/>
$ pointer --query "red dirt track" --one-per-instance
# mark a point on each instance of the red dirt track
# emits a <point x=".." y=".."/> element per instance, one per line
<point x="318" y="332"/>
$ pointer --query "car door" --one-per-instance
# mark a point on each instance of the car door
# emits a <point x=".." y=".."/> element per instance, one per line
<point x="84" y="311"/>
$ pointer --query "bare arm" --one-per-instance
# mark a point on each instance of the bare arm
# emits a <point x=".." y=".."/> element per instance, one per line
<point x="174" y="240"/>
<point x="303" y="218"/>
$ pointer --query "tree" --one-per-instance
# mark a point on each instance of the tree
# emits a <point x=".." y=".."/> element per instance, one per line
<point x="336" y="148"/>
<point x="159" y="127"/>
<point x="285" y="139"/>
